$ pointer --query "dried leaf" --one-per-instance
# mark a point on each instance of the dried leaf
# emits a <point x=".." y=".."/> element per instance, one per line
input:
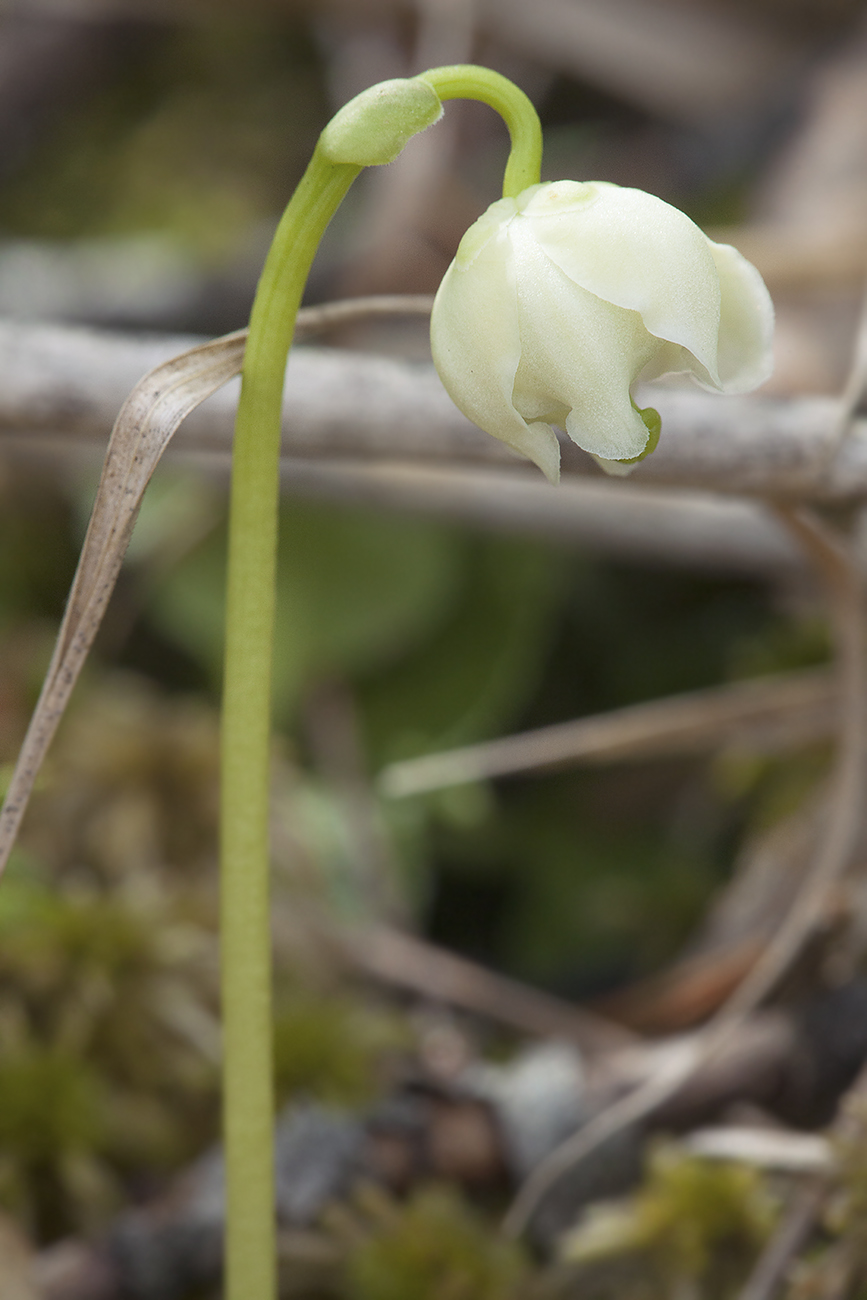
<point x="142" y="431"/>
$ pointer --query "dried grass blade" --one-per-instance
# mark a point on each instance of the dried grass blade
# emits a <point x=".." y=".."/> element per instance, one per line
<point x="147" y="421"/>
<point x="142" y="431"/>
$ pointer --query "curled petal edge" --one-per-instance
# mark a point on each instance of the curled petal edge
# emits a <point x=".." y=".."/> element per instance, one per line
<point x="745" y="353"/>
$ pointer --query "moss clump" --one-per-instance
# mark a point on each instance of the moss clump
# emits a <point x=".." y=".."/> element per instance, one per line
<point x="432" y="1248"/>
<point x="51" y="1125"/>
<point x="701" y="1219"/>
<point x="693" y="1228"/>
<point x="104" y="1067"/>
<point x="332" y="1048"/>
<point x="49" y="1103"/>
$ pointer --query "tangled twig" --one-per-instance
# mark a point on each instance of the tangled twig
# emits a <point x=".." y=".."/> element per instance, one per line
<point x="841" y="579"/>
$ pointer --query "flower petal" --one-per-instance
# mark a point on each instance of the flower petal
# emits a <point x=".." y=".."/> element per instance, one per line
<point x="746" y="322"/>
<point x="579" y="355"/>
<point x="671" y="359"/>
<point x="476" y="348"/>
<point x="634" y="250"/>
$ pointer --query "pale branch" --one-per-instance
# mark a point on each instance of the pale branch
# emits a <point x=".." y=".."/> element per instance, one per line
<point x="833" y="558"/>
<point x="778" y="1149"/>
<point x="807" y="1207"/>
<point x="764" y="714"/>
<point x="392" y="441"/>
<point x="402" y="960"/>
<point x="792" y="1234"/>
<point x="698" y="531"/>
<point x="69" y="383"/>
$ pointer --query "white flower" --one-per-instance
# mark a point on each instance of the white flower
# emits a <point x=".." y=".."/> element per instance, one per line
<point x="559" y="300"/>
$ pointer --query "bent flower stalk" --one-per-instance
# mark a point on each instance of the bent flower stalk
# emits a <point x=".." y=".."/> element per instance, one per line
<point x="561" y="298"/>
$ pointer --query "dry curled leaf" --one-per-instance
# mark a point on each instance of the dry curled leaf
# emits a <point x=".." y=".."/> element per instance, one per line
<point x="142" y="431"/>
<point x="147" y="421"/>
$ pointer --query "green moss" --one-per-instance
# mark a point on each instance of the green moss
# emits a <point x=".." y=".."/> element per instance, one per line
<point x="103" y="1068"/>
<point x="52" y="1129"/>
<point x="50" y="1103"/>
<point x="694" y="1228"/>
<point x="332" y="1048"/>
<point x="700" y="1219"/>
<point x="433" y="1248"/>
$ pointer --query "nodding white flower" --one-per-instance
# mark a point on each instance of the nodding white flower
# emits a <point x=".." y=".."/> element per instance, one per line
<point x="560" y="299"/>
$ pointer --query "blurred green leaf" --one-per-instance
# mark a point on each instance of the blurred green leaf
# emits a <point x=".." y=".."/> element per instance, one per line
<point x="355" y="592"/>
<point x="190" y="130"/>
<point x="476" y="674"/>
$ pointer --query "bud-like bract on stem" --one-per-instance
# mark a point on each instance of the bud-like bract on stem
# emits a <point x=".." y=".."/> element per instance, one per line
<point x="558" y="301"/>
<point x="373" y="127"/>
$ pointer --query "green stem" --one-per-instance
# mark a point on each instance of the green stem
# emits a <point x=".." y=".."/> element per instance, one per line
<point x="466" y="81"/>
<point x="245" y="772"/>
<point x="371" y="129"/>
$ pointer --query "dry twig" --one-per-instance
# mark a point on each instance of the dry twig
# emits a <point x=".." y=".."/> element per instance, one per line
<point x="765" y="714"/>
<point x="854" y="388"/>
<point x="789" y="1239"/>
<point x="832" y="858"/>
<point x="798" y="1223"/>
<point x="403" y="961"/>
<point x="62" y="387"/>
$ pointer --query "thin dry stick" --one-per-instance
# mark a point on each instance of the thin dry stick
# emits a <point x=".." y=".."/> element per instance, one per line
<point x="844" y="818"/>
<point x="793" y="1233"/>
<point x="853" y="389"/>
<point x="773" y="1265"/>
<point x="60" y="387"/>
<point x="144" y="426"/>
<point x="404" y="961"/>
<point x="142" y="431"/>
<point x="770" y="710"/>
<point x="833" y="857"/>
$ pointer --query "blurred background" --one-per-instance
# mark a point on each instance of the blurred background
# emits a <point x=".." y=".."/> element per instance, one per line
<point x="147" y="149"/>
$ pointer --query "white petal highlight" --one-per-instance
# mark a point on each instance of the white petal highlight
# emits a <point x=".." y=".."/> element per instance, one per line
<point x="635" y="251"/>
<point x="586" y="386"/>
<point x="476" y="348"/>
<point x="746" y="322"/>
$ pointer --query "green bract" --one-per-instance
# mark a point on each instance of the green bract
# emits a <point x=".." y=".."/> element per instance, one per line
<point x="373" y="128"/>
<point x="558" y="301"/>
